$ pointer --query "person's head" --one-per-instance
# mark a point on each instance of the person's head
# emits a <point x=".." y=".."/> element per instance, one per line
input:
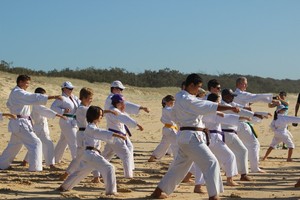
<point x="201" y="93"/>
<point x="40" y="90"/>
<point x="241" y="83"/>
<point x="118" y="101"/>
<point x="67" y="88"/>
<point x="282" y="94"/>
<point x="213" y="97"/>
<point x="228" y="95"/>
<point x="214" y="86"/>
<point x="86" y="96"/>
<point x="192" y="83"/>
<point x="94" y="114"/>
<point x="168" y="100"/>
<point x="23" y="81"/>
<point x="116" y="87"/>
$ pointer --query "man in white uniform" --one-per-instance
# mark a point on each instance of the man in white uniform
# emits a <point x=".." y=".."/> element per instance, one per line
<point x="188" y="112"/>
<point x="247" y="135"/>
<point x="18" y="103"/>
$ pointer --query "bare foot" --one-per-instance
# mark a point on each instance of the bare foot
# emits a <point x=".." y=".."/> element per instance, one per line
<point x="24" y="163"/>
<point x="96" y="180"/>
<point x="63" y="176"/>
<point x="157" y="194"/>
<point x="198" y="189"/>
<point x="244" y="177"/>
<point x="61" y="189"/>
<point x="297" y="184"/>
<point x="232" y="183"/>
<point x="187" y="178"/>
<point x="152" y="159"/>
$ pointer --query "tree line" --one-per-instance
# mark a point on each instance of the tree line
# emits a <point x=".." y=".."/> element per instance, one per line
<point x="158" y="78"/>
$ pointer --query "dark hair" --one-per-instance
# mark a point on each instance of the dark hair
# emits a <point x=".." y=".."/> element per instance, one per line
<point x="212" y="83"/>
<point x="40" y="90"/>
<point x="85" y="93"/>
<point x="167" y="99"/>
<point x="283" y="93"/>
<point x="275" y="115"/>
<point x="212" y="97"/>
<point x="193" y="78"/>
<point x="93" y="113"/>
<point x="23" y="78"/>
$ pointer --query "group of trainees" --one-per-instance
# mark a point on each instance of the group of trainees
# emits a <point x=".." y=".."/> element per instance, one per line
<point x="205" y="132"/>
<point x="229" y="135"/>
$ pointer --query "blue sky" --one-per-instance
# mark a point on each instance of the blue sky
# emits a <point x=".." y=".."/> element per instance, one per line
<point x="249" y="37"/>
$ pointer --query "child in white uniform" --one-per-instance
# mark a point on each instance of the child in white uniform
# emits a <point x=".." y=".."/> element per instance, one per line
<point x="39" y="115"/>
<point x="281" y="133"/>
<point x="169" y="130"/>
<point x="92" y="158"/>
<point x="117" y="124"/>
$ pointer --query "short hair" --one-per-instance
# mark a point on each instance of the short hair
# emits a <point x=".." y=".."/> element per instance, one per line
<point x="193" y="78"/>
<point x="85" y="93"/>
<point x="212" y="97"/>
<point x="240" y="80"/>
<point x="23" y="78"/>
<point x="212" y="83"/>
<point x="40" y="90"/>
<point x="282" y="93"/>
<point x="167" y="99"/>
<point x="93" y="113"/>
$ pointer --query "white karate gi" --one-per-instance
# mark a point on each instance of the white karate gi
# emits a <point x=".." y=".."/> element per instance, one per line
<point x="68" y="127"/>
<point x="21" y="129"/>
<point x="131" y="109"/>
<point x="82" y="123"/>
<point x="188" y="111"/>
<point x="223" y="153"/>
<point x="39" y="116"/>
<point x="92" y="160"/>
<point x="244" y="131"/>
<point x="168" y="139"/>
<point x="281" y="133"/>
<point x="115" y="123"/>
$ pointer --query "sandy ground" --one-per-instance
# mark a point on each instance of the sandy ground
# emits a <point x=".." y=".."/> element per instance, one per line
<point x="18" y="183"/>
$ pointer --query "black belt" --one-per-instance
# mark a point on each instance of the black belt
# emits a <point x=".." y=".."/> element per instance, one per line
<point x="93" y="148"/>
<point x="205" y="130"/>
<point x="219" y="132"/>
<point x="81" y="129"/>
<point x="24" y="117"/>
<point x="229" y="131"/>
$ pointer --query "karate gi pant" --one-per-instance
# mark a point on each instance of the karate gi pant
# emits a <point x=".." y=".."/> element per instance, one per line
<point x="47" y="148"/>
<point x="92" y="160"/>
<point x="252" y="144"/>
<point x="168" y="138"/>
<point x="67" y="137"/>
<point x="239" y="150"/>
<point x="224" y="155"/>
<point x="198" y="152"/>
<point x="74" y="165"/>
<point x="119" y="147"/>
<point x="22" y="133"/>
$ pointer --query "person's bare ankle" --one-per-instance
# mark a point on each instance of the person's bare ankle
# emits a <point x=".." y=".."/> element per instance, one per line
<point x="157" y="194"/>
<point x="152" y="159"/>
<point x="244" y="177"/>
<point x="198" y="189"/>
<point x="63" y="176"/>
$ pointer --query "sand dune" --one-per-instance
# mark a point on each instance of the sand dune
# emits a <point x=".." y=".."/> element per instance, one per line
<point x="18" y="183"/>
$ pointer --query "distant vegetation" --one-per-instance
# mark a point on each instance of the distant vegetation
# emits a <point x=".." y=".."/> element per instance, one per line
<point x="161" y="78"/>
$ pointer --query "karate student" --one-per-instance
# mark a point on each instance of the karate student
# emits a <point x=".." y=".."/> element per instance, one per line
<point x="169" y="131"/>
<point x="247" y="134"/>
<point x="19" y="102"/>
<point x="131" y="108"/>
<point x="117" y="124"/>
<point x="92" y="158"/>
<point x="39" y="115"/>
<point x="281" y="133"/>
<point x="66" y="107"/>
<point x="188" y="112"/>
<point x="86" y="98"/>
<point x="217" y="139"/>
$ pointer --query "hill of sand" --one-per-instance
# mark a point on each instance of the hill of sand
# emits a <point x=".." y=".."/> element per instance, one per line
<point x="18" y="183"/>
